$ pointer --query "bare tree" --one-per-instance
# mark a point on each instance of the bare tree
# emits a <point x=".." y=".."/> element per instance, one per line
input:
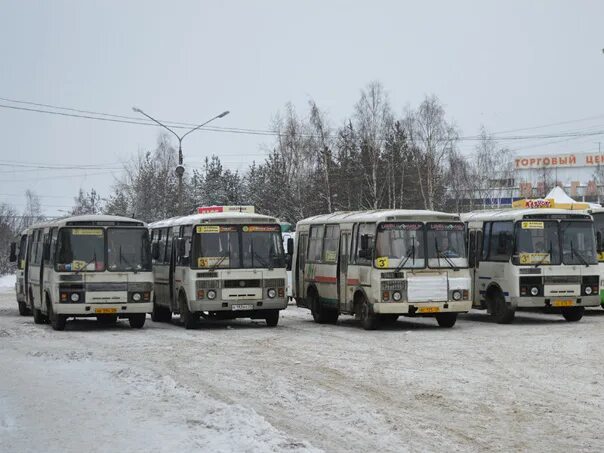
<point x="432" y="138"/>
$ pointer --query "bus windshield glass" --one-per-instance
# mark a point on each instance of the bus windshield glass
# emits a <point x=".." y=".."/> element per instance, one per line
<point x="22" y="249"/>
<point x="81" y="249"/>
<point x="216" y="246"/>
<point x="537" y="242"/>
<point x="446" y="245"/>
<point x="262" y="246"/>
<point x="400" y="245"/>
<point x="237" y="247"/>
<point x="578" y="243"/>
<point x="128" y="249"/>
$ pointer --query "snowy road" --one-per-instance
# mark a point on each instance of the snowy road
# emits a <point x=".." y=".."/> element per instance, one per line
<point x="240" y="386"/>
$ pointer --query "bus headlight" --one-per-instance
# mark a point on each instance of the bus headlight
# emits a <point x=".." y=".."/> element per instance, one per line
<point x="211" y="294"/>
<point x="136" y="297"/>
<point x="396" y="296"/>
<point x="534" y="291"/>
<point x="588" y="290"/>
<point x="271" y="293"/>
<point x="456" y="295"/>
<point x="74" y="297"/>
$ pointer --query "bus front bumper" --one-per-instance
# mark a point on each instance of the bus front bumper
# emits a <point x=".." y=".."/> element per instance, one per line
<point x="84" y="309"/>
<point x="237" y="305"/>
<point x="547" y="302"/>
<point x="421" y="308"/>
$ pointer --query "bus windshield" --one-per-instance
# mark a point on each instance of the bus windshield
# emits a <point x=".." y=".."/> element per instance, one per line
<point x="537" y="242"/>
<point x="400" y="245"/>
<point x="446" y="245"/>
<point x="22" y="250"/>
<point x="81" y="249"/>
<point x="262" y="246"/>
<point x="128" y="249"/>
<point x="599" y="226"/>
<point x="578" y="243"/>
<point x="237" y="246"/>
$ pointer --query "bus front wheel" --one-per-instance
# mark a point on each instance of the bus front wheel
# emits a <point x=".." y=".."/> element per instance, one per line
<point x="160" y="313"/>
<point x="272" y="318"/>
<point x="446" y="319"/>
<point x="501" y="313"/>
<point x="573" y="314"/>
<point x="369" y="320"/>
<point x="23" y="310"/>
<point x="39" y="318"/>
<point x="320" y="313"/>
<point x="188" y="319"/>
<point x="137" y="321"/>
<point x="56" y="321"/>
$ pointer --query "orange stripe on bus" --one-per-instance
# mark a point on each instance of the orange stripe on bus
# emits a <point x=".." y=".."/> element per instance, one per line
<point x="322" y="279"/>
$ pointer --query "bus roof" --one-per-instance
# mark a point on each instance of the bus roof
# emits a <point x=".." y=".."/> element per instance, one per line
<point x="214" y="217"/>
<point x="84" y="220"/>
<point x="380" y="215"/>
<point x="516" y="214"/>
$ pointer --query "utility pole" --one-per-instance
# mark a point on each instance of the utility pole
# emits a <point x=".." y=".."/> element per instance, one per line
<point x="180" y="169"/>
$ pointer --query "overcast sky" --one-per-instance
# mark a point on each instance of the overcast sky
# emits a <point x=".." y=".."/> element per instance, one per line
<point x="508" y="65"/>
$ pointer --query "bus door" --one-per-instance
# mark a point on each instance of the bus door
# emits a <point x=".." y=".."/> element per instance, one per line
<point x="26" y="260"/>
<point x="299" y="271"/>
<point x="475" y="250"/>
<point x="45" y="244"/>
<point x="343" y="271"/>
<point x="171" y="261"/>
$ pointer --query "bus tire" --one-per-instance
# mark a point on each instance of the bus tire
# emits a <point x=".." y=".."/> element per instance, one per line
<point x="320" y="314"/>
<point x="23" y="310"/>
<point x="369" y="320"/>
<point x="272" y="318"/>
<point x="39" y="318"/>
<point x="160" y="314"/>
<point x="501" y="313"/>
<point x="106" y="320"/>
<point x="189" y="320"/>
<point x="446" y="319"/>
<point x="573" y="314"/>
<point x="56" y="321"/>
<point x="137" y="321"/>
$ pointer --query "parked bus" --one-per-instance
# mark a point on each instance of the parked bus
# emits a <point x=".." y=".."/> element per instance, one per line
<point x="218" y="265"/>
<point x="88" y="266"/>
<point x="598" y="216"/>
<point x="18" y="253"/>
<point x="378" y="265"/>
<point x="533" y="259"/>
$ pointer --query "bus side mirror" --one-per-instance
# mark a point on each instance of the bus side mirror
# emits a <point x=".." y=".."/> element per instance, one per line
<point x="288" y="262"/>
<point x="155" y="250"/>
<point x="290" y="246"/>
<point x="13" y="252"/>
<point x="599" y="241"/>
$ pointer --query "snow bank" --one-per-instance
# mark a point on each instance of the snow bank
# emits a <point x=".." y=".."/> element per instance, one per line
<point x="7" y="281"/>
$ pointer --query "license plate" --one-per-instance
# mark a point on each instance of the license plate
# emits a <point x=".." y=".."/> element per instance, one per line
<point x="563" y="303"/>
<point x="242" y="307"/>
<point x="429" y="309"/>
<point x="105" y="311"/>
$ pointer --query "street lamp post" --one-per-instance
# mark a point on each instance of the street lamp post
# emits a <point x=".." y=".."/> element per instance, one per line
<point x="180" y="169"/>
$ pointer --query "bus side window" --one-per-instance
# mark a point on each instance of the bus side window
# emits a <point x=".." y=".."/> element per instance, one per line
<point x="53" y="245"/>
<point x="315" y="243"/>
<point x="330" y="243"/>
<point x="485" y="241"/>
<point x="367" y="229"/>
<point x="161" y="240"/>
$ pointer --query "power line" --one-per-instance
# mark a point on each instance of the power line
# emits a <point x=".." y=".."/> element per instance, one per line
<point x="131" y="120"/>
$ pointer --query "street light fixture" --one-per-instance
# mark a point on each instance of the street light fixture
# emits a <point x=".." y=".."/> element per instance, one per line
<point x="180" y="169"/>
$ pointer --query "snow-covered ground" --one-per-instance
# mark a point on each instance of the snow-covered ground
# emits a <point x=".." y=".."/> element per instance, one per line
<point x="7" y="282"/>
<point x="240" y="386"/>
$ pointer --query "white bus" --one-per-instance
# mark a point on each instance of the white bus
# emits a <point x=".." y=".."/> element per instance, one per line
<point x="378" y="265"/>
<point x="220" y="265"/>
<point x="88" y="266"/>
<point x="533" y="259"/>
<point x="598" y="216"/>
<point x="18" y="254"/>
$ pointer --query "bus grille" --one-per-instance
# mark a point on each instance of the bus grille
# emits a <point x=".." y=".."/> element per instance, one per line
<point x="242" y="283"/>
<point x="562" y="279"/>
<point x="207" y="284"/>
<point x="393" y="285"/>
<point x="274" y="282"/>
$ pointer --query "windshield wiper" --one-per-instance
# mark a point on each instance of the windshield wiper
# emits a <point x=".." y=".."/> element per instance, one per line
<point x="86" y="265"/>
<point x="222" y="258"/>
<point x="576" y="252"/>
<point x="407" y="256"/>
<point x="128" y="263"/>
<point x="545" y="256"/>
<point x="440" y="254"/>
